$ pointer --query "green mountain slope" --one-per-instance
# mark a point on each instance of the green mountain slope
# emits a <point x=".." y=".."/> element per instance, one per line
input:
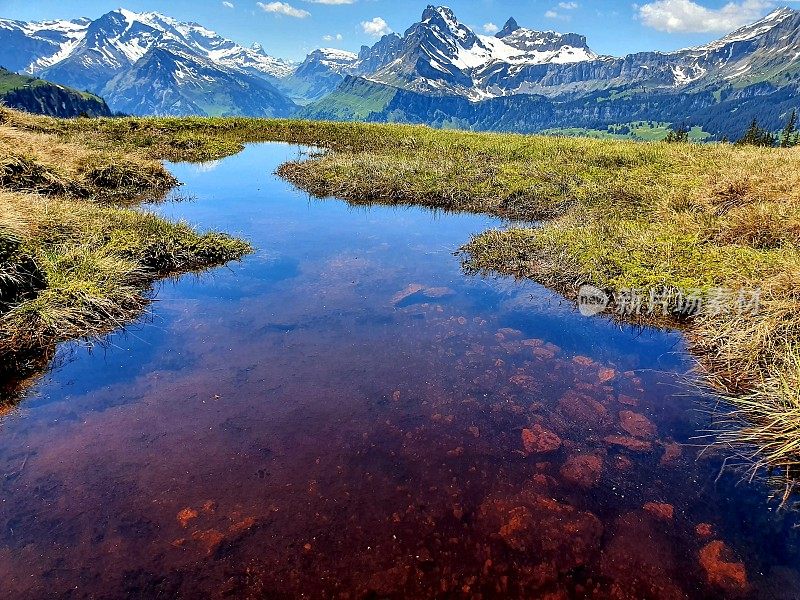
<point x="42" y="97"/>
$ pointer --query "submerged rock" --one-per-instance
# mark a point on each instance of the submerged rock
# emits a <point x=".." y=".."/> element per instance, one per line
<point x="584" y="411"/>
<point x="583" y="470"/>
<point x="704" y="530"/>
<point x="639" y="560"/>
<point x="557" y="535"/>
<point x="209" y="540"/>
<point x="721" y="569"/>
<point x="629" y="443"/>
<point x="606" y="375"/>
<point x="672" y="455"/>
<point x="626" y="400"/>
<point x="637" y="425"/>
<point x="661" y="510"/>
<point x="509" y="332"/>
<point x="539" y="440"/>
<point x="438" y="293"/>
<point x="407" y="292"/>
<point x="186" y="516"/>
<point x="583" y="361"/>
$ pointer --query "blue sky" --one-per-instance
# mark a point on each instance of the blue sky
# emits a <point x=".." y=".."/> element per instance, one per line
<point x="291" y="28"/>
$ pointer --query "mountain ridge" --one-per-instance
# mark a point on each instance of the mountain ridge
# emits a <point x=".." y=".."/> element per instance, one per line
<point x="23" y="92"/>
<point x="437" y="57"/>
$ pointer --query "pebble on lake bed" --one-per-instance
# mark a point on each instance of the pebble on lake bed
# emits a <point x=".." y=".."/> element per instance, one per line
<point x="583" y="470"/>
<point x="661" y="510"/>
<point x="408" y="291"/>
<point x="637" y="425"/>
<point x="539" y="440"/>
<point x="629" y="443"/>
<point x="186" y="516"/>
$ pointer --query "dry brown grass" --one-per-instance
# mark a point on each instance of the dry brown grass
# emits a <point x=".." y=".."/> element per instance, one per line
<point x="41" y="163"/>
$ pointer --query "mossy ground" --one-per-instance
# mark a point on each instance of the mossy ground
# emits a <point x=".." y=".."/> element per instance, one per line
<point x="616" y="214"/>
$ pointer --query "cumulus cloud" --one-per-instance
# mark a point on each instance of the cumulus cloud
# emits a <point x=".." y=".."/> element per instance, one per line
<point x="227" y="4"/>
<point x="686" y="16"/>
<point x="377" y="27"/>
<point x="568" y="5"/>
<point x="283" y="8"/>
<point x="490" y="28"/>
<point x="333" y="38"/>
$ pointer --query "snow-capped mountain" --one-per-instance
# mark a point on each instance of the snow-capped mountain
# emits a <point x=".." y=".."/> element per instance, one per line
<point x="171" y="79"/>
<point x="440" y="55"/>
<point x="150" y="63"/>
<point x="319" y="74"/>
<point x="89" y="54"/>
<point x="120" y="38"/>
<point x="28" y="47"/>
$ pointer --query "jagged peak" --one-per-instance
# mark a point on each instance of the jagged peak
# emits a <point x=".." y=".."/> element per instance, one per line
<point x="781" y="13"/>
<point x="444" y="12"/>
<point x="510" y="27"/>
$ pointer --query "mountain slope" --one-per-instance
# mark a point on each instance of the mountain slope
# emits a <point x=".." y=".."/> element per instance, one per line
<point x="90" y="55"/>
<point x="443" y="74"/>
<point x="319" y="74"/>
<point x="42" y="97"/>
<point x="30" y="47"/>
<point x="170" y="80"/>
<point x="726" y="114"/>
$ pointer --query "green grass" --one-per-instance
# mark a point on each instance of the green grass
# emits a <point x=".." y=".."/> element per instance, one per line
<point x="639" y="130"/>
<point x="12" y="81"/>
<point x="74" y="260"/>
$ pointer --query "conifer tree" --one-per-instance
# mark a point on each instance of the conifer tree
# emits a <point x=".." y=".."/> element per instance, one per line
<point x="677" y="135"/>
<point x="789" y="135"/>
<point x="756" y="136"/>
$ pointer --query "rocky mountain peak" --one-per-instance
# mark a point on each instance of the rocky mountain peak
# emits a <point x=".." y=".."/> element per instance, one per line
<point x="443" y="20"/>
<point x="510" y="27"/>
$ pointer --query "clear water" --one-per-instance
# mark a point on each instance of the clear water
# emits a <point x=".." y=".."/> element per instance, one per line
<point x="291" y="426"/>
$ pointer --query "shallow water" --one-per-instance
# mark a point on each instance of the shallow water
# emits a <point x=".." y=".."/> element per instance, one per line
<point x="301" y="424"/>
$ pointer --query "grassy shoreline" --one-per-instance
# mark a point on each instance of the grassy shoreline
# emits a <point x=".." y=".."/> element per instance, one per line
<point x="76" y="259"/>
<point x="674" y="218"/>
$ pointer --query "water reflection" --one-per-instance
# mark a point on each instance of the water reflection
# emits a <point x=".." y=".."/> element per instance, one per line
<point x="346" y="414"/>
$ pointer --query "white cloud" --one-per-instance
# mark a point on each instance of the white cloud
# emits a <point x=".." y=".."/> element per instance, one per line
<point x="377" y="27"/>
<point x="333" y="38"/>
<point x="490" y="28"/>
<point x="568" y="5"/>
<point x="331" y="1"/>
<point x="228" y="4"/>
<point x="686" y="16"/>
<point x="553" y="14"/>
<point x="283" y="8"/>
